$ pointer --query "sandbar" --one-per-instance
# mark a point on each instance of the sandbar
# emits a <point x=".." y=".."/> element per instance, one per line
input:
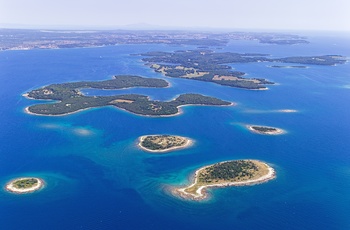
<point x="287" y="110"/>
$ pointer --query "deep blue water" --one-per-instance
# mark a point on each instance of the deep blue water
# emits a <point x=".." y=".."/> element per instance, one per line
<point x="98" y="179"/>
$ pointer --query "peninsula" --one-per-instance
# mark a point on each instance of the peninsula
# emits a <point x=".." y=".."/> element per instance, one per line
<point x="227" y="173"/>
<point x="265" y="130"/>
<point x="70" y="99"/>
<point x="24" y="185"/>
<point x="163" y="143"/>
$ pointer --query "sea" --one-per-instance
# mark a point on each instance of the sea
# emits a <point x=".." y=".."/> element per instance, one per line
<point x="97" y="178"/>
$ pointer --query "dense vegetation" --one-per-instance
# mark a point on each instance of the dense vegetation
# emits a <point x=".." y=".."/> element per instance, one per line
<point x="25" y="183"/>
<point x="71" y="89"/>
<point x="72" y="100"/>
<point x="314" y="60"/>
<point x="228" y="171"/>
<point x="149" y="144"/>
<point x="162" y="142"/>
<point x="263" y="129"/>
<point x="138" y="104"/>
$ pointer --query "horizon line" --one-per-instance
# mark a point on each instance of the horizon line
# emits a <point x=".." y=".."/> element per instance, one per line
<point x="149" y="27"/>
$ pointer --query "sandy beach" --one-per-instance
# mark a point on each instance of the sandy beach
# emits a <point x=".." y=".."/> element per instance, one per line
<point x="9" y="186"/>
<point x="266" y="88"/>
<point x="26" y="95"/>
<point x="201" y="193"/>
<point x="26" y="110"/>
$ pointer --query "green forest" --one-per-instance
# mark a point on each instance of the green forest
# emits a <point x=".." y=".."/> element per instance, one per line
<point x="70" y="99"/>
<point x="229" y="170"/>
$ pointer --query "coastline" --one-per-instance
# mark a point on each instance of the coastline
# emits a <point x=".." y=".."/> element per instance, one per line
<point x="164" y="74"/>
<point x="259" y="89"/>
<point x="189" y="143"/>
<point x="201" y="193"/>
<point x="26" y="110"/>
<point x="10" y="188"/>
<point x="276" y="132"/>
<point x="181" y="112"/>
<point x="26" y="95"/>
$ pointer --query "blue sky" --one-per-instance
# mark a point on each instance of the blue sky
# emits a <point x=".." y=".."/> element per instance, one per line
<point x="249" y="14"/>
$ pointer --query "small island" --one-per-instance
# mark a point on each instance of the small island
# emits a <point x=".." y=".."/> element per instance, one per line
<point x="289" y="66"/>
<point x="265" y="130"/>
<point x="69" y="99"/>
<point x="163" y="143"/>
<point x="227" y="173"/>
<point x="24" y="185"/>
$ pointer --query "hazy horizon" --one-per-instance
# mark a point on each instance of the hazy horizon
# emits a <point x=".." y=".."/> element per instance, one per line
<point x="157" y="14"/>
<point x="137" y="27"/>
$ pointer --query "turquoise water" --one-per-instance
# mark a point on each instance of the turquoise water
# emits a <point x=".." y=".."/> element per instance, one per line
<point x="98" y="179"/>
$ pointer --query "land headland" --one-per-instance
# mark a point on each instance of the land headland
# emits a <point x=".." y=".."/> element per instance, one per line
<point x="265" y="130"/>
<point x="70" y="99"/>
<point x="223" y="174"/>
<point x="163" y="143"/>
<point x="24" y="185"/>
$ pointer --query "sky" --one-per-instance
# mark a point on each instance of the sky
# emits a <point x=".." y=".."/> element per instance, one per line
<point x="333" y="15"/>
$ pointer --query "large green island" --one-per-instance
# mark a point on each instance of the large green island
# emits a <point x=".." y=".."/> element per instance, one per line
<point x="205" y="65"/>
<point x="71" y="99"/>
<point x="163" y="143"/>
<point x="210" y="66"/>
<point x="24" y="185"/>
<point x="227" y="173"/>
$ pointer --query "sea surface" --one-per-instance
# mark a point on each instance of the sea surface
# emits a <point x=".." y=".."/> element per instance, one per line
<point x="97" y="178"/>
